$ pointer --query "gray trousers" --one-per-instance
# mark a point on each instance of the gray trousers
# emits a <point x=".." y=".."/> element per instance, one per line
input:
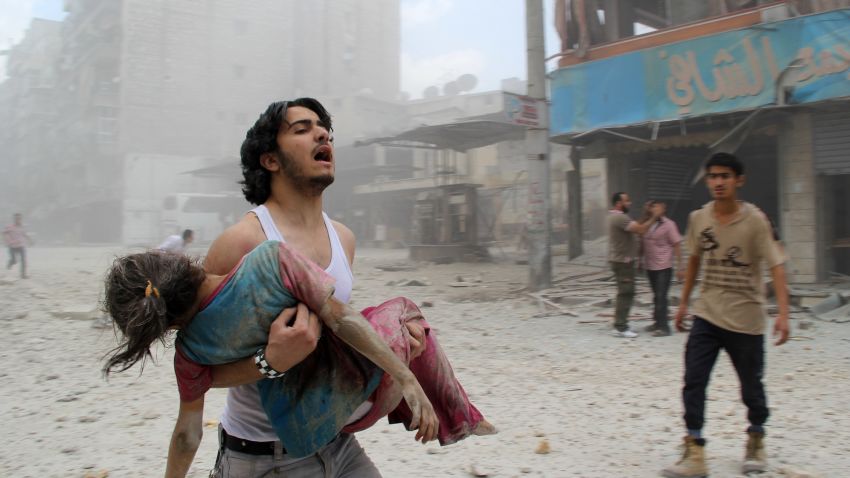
<point x="341" y="458"/>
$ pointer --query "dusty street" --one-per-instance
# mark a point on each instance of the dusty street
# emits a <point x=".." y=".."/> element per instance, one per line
<point x="604" y="407"/>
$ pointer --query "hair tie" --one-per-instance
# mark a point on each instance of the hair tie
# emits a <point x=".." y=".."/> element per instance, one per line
<point x="151" y="289"/>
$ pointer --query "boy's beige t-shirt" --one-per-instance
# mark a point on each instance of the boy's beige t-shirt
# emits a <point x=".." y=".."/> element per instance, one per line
<point x="732" y="296"/>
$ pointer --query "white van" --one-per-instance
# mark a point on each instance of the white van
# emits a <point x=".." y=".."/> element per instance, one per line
<point x="206" y="214"/>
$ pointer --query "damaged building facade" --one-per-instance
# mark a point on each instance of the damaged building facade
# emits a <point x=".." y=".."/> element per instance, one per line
<point x="769" y="82"/>
<point x="451" y="182"/>
<point x="109" y="110"/>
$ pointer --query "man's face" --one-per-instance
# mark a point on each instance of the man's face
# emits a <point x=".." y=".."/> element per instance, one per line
<point x="306" y="154"/>
<point x="189" y="239"/>
<point x="722" y="182"/>
<point x="625" y="202"/>
<point x="17" y="219"/>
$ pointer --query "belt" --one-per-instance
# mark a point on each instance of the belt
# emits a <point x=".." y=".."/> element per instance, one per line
<point x="247" y="446"/>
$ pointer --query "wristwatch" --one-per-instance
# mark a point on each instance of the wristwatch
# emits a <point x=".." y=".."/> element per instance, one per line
<point x="263" y="365"/>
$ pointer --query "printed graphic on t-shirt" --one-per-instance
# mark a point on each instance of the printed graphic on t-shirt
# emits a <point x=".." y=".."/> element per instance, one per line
<point x="707" y="241"/>
<point x="726" y="270"/>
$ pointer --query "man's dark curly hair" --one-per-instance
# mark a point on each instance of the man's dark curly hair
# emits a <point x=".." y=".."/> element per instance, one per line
<point x="262" y="139"/>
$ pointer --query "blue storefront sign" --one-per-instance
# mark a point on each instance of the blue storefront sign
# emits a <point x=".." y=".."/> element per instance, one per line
<point x="737" y="70"/>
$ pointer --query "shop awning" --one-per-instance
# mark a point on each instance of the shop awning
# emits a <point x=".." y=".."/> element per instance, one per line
<point x="458" y="136"/>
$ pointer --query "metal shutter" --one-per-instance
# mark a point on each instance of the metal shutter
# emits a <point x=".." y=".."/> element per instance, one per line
<point x="832" y="142"/>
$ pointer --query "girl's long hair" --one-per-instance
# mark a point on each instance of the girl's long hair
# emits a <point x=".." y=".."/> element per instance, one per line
<point x="147" y="295"/>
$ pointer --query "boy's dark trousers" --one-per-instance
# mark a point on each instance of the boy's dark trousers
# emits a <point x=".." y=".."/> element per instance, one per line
<point x="747" y="354"/>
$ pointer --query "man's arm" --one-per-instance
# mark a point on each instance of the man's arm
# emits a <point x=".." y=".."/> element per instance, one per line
<point x="780" y="288"/>
<point x="642" y="227"/>
<point x="186" y="438"/>
<point x="677" y="253"/>
<point x="690" y="279"/>
<point x="287" y="345"/>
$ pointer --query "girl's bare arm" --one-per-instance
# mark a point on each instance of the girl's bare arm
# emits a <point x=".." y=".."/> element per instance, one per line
<point x="350" y="326"/>
<point x="188" y="430"/>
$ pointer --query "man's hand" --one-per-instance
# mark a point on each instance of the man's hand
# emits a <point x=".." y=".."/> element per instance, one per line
<point x="678" y="319"/>
<point x="292" y="337"/>
<point x="417" y="338"/>
<point x="781" y="329"/>
<point x="680" y="274"/>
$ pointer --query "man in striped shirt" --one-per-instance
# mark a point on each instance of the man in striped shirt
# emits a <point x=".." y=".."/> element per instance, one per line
<point x="660" y="243"/>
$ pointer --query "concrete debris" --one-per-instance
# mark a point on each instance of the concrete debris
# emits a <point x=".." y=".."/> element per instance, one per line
<point x="833" y="301"/>
<point x="102" y="322"/>
<point x="543" y="447"/>
<point x="839" y="315"/>
<point x="475" y="471"/>
<point x="396" y="267"/>
<point x="544" y="301"/>
<point x="443" y="260"/>
<point x="79" y="312"/>
<point x="97" y="474"/>
<point x="830" y="306"/>
<point x="409" y="283"/>
<point x="460" y="284"/>
<point x="791" y="472"/>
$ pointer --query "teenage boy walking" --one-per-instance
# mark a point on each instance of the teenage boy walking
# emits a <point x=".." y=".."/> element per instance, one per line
<point x="730" y="240"/>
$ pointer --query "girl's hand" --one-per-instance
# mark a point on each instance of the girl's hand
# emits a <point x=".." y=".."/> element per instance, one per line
<point x="417" y="338"/>
<point x="424" y="419"/>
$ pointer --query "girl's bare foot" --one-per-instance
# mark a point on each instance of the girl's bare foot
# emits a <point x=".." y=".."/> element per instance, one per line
<point x="484" y="428"/>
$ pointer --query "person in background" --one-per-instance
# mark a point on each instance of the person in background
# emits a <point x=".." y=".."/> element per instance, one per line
<point x="623" y="234"/>
<point x="177" y="243"/>
<point x="660" y="244"/>
<point x="731" y="241"/>
<point x="16" y="238"/>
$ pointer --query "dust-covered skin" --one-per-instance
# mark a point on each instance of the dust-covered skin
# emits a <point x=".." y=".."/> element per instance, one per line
<point x="350" y="326"/>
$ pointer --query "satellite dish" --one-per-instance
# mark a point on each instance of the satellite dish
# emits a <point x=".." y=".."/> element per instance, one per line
<point x="466" y="82"/>
<point x="431" y="92"/>
<point x="451" y="88"/>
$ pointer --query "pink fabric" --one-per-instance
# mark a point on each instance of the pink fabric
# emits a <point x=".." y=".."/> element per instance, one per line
<point x="14" y="236"/>
<point x="658" y="245"/>
<point x="458" y="416"/>
<point x="304" y="279"/>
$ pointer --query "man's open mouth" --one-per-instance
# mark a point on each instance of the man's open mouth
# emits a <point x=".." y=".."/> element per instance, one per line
<point x="323" y="154"/>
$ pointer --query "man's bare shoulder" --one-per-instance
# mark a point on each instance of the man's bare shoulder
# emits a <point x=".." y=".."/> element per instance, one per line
<point x="236" y="241"/>
<point x="346" y="238"/>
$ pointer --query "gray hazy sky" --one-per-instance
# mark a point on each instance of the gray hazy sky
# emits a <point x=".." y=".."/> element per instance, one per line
<point x="441" y="39"/>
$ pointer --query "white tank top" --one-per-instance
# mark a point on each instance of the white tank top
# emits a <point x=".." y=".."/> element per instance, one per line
<point x="243" y="414"/>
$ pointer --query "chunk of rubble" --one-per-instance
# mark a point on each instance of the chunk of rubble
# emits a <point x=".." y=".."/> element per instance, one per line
<point x="825" y="304"/>
<point x="77" y="312"/>
<point x="412" y="283"/>
<point x="839" y="315"/>
<point x="396" y="267"/>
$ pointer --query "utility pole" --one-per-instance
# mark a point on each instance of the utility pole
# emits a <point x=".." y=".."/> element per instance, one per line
<point x="537" y="153"/>
<point x="574" y="205"/>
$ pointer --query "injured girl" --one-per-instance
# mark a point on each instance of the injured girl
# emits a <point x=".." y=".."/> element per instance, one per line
<point x="359" y="359"/>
